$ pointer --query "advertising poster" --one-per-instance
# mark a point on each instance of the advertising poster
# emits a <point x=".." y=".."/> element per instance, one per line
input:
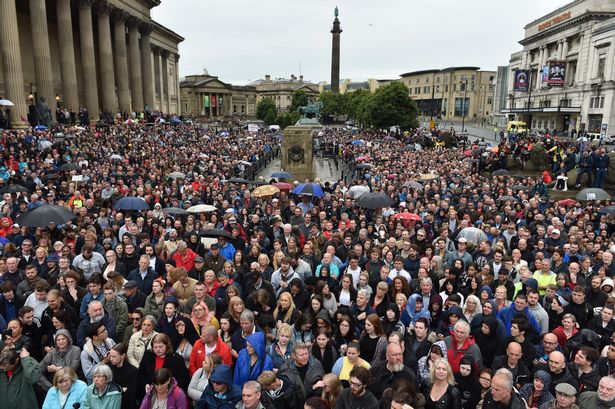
<point x="521" y="81"/>
<point x="557" y="73"/>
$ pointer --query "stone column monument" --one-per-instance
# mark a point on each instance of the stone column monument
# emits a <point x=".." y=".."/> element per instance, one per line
<point x="335" y="55"/>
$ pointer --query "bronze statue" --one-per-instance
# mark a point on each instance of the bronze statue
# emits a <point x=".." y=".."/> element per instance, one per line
<point x="336" y="12"/>
<point x="311" y="111"/>
<point x="43" y="112"/>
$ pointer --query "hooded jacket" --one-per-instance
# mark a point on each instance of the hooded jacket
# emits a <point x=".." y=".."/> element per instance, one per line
<point x="77" y="394"/>
<point x="211" y="399"/>
<point x="396" y="325"/>
<point x="488" y="344"/>
<point x="445" y="328"/>
<point x="527" y="390"/>
<point x="410" y="315"/>
<point x="18" y="392"/>
<point x="455" y="352"/>
<point x="71" y="357"/>
<point x="110" y="399"/>
<point x="423" y="373"/>
<point x="507" y="314"/>
<point x="245" y="372"/>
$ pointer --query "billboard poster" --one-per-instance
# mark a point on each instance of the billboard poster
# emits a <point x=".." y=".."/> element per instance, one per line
<point x="206" y="101"/>
<point x="213" y="101"/>
<point x="557" y="73"/>
<point x="521" y="80"/>
<point x="544" y="75"/>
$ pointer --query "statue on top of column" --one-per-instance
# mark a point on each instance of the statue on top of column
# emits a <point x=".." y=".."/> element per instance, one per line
<point x="43" y="112"/>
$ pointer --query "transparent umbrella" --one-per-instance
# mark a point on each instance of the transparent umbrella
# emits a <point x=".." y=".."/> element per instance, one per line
<point x="472" y="234"/>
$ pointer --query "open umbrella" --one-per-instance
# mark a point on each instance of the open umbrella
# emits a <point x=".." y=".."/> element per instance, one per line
<point x="6" y="103"/>
<point x="358" y="142"/>
<point x="259" y="183"/>
<point x="507" y="198"/>
<point x="593" y="194"/>
<point x="363" y="166"/>
<point x="177" y="175"/>
<point x="202" y="208"/>
<point x="357" y="191"/>
<point x="216" y="233"/>
<point x="283" y="185"/>
<point x="44" y="144"/>
<point x="14" y="189"/>
<point x="375" y="200"/>
<point x="238" y="180"/>
<point x="174" y="211"/>
<point x="608" y="210"/>
<point x="264" y="191"/>
<point x="282" y="175"/>
<point x="567" y="202"/>
<point x="115" y="156"/>
<point x="40" y="128"/>
<point x="45" y="215"/>
<point x="176" y="121"/>
<point x="407" y="216"/>
<point x="308" y="189"/>
<point x="500" y="172"/>
<point x="472" y="234"/>
<point x="131" y="203"/>
<point x="523" y="188"/>
<point x="426" y="177"/>
<point x="67" y="167"/>
<point x="411" y="184"/>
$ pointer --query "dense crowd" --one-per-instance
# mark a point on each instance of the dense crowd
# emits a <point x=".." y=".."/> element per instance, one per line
<point x="463" y="289"/>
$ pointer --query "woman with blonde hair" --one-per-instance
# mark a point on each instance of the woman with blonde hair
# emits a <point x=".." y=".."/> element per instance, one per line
<point x="285" y="312"/>
<point x="281" y="350"/>
<point x="332" y="388"/>
<point x="278" y="256"/>
<point x="442" y="393"/>
<point x="200" y="378"/>
<point x="472" y="307"/>
<point x="235" y="307"/>
<point x="201" y="317"/>
<point x="67" y="390"/>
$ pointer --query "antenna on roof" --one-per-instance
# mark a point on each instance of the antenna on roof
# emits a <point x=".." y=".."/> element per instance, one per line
<point x="299" y="67"/>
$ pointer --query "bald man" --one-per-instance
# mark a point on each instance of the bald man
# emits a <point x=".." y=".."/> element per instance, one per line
<point x="386" y="373"/>
<point x="556" y="367"/>
<point x="502" y="394"/>
<point x="513" y="363"/>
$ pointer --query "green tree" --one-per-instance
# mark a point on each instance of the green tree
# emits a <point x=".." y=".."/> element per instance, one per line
<point x="333" y="104"/>
<point x="263" y="108"/>
<point x="392" y="106"/>
<point x="271" y="117"/>
<point x="300" y="99"/>
<point x="287" y="119"/>
<point x="357" y="106"/>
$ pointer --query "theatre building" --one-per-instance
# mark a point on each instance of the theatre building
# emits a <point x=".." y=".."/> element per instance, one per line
<point x="98" y="54"/>
<point x="564" y="78"/>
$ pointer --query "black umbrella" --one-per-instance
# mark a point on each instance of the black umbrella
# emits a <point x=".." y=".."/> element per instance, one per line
<point x="50" y="176"/>
<point x="593" y="194"/>
<point x="523" y="188"/>
<point x="364" y="166"/>
<point x="282" y="175"/>
<point x="374" y="200"/>
<point x="506" y="198"/>
<point x="259" y="183"/>
<point x="14" y="189"/>
<point x="215" y="233"/>
<point x="44" y="215"/>
<point x="131" y="203"/>
<point x="238" y="180"/>
<point x="500" y="172"/>
<point x="175" y="211"/>
<point x="67" y="167"/>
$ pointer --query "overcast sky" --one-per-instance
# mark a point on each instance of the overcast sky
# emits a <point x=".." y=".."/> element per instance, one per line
<point x="243" y="40"/>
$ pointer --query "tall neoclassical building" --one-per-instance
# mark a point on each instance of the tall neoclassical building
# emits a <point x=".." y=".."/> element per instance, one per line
<point x="98" y="54"/>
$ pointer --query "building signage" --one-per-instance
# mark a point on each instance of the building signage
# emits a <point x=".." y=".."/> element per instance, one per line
<point x="557" y="73"/>
<point x="554" y="21"/>
<point x="521" y="80"/>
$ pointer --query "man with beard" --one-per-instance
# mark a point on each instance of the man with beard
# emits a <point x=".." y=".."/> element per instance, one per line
<point x="96" y="314"/>
<point x="357" y="396"/>
<point x="386" y="373"/>
<point x="604" y="398"/>
<point x="594" y="296"/>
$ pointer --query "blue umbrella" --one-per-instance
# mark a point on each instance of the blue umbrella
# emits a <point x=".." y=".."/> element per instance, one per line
<point x="309" y="189"/>
<point x="176" y="121"/>
<point x="40" y="128"/>
<point x="282" y="175"/>
<point x="358" y="142"/>
<point x="131" y="203"/>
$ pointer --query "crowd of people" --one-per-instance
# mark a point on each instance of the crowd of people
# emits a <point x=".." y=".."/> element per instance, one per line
<point x="465" y="290"/>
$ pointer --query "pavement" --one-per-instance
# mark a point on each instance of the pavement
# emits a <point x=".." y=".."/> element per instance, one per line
<point x="324" y="169"/>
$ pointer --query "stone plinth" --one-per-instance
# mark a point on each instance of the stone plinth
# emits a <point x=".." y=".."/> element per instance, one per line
<point x="297" y="152"/>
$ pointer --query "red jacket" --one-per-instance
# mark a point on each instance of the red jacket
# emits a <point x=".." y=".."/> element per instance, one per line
<point x="198" y="355"/>
<point x="186" y="261"/>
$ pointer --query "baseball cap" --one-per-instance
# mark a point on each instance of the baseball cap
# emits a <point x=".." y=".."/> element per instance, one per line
<point x="199" y="260"/>
<point x="214" y="246"/>
<point x="566" y="389"/>
<point x="16" y="225"/>
<point x="232" y="220"/>
<point x="555" y="231"/>
<point x="462" y="240"/>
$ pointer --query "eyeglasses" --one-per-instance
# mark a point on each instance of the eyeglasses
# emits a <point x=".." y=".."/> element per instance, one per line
<point x="482" y="378"/>
<point x="136" y="318"/>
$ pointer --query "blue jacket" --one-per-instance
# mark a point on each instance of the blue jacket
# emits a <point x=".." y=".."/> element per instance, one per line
<point x="78" y="394"/>
<point x="212" y="400"/>
<point x="87" y="299"/>
<point x="144" y="284"/>
<point x="507" y="314"/>
<point x="243" y="371"/>
<point x="82" y="330"/>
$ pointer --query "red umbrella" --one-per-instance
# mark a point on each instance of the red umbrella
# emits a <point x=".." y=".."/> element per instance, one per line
<point x="284" y="185"/>
<point x="567" y="202"/>
<point x="407" y="216"/>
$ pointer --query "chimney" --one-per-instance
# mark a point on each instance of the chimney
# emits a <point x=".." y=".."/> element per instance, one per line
<point x="267" y="77"/>
<point x="300" y="78"/>
<point x="292" y="77"/>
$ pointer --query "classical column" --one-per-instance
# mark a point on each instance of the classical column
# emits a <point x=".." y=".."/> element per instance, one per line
<point x="11" y="63"/>
<point x="88" y="60"/>
<point x="160" y="80"/>
<point x="157" y="90"/>
<point x="179" y="106"/>
<point x="105" y="52"/>
<point x="67" y="55"/>
<point x="41" y="53"/>
<point x="148" y="68"/>
<point x="121" y="59"/>
<point x="564" y="49"/>
<point x="136" y="81"/>
<point x="166" y="99"/>
<point x="211" y="110"/>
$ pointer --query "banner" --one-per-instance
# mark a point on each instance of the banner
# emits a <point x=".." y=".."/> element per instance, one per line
<point x="206" y="101"/>
<point x="522" y="78"/>
<point x="213" y="101"/>
<point x="544" y="77"/>
<point x="557" y="73"/>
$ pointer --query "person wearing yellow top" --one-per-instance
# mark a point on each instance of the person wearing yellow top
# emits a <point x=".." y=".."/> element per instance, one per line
<point x="544" y="276"/>
<point x="344" y="365"/>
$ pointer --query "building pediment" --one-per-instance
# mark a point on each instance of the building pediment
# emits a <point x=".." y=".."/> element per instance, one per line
<point x="212" y="83"/>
